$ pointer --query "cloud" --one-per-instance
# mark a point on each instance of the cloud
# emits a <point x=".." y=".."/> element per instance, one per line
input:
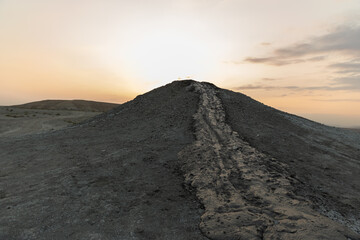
<point x="265" y="87"/>
<point x="349" y="84"/>
<point x="346" y="83"/>
<point x="352" y="82"/>
<point x="350" y="72"/>
<point x="276" y="61"/>
<point x="315" y="59"/>
<point x="351" y="67"/>
<point x="272" y="61"/>
<point x="343" y="39"/>
<point x="269" y="79"/>
<point x="337" y="100"/>
<point x="265" y="44"/>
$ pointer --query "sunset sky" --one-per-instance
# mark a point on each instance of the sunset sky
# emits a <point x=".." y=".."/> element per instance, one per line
<point x="302" y="57"/>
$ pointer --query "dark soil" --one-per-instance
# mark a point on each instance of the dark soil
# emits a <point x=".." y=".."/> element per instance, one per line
<point x="324" y="161"/>
<point x="116" y="177"/>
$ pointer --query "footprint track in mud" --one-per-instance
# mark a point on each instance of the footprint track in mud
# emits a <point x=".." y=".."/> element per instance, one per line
<point x="242" y="196"/>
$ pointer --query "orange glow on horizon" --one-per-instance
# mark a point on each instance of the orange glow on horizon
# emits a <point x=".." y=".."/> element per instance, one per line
<point x="114" y="50"/>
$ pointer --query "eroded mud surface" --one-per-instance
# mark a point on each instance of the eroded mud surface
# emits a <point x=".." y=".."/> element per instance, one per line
<point x="246" y="194"/>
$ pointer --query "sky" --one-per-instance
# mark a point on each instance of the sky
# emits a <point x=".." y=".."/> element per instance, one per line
<point x="302" y="57"/>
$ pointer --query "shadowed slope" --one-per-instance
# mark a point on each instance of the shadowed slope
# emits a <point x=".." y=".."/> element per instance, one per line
<point x="324" y="161"/>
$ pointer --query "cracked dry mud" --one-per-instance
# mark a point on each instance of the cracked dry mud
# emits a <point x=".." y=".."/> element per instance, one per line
<point x="244" y="194"/>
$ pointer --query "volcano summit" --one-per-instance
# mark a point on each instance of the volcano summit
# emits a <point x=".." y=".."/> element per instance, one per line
<point x="185" y="161"/>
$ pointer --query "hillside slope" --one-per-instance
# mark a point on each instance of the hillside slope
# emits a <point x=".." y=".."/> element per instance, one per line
<point x="325" y="161"/>
<point x="77" y="105"/>
<point x="116" y="177"/>
<point x="184" y="161"/>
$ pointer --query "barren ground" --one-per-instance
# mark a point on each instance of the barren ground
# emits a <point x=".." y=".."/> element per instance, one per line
<point x="18" y="121"/>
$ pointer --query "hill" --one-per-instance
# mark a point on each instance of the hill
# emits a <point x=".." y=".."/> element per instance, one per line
<point x="185" y="161"/>
<point x="77" y="105"/>
<point x="17" y="122"/>
<point x="356" y="129"/>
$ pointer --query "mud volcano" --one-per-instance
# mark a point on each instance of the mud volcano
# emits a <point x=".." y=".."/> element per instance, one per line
<point x="184" y="161"/>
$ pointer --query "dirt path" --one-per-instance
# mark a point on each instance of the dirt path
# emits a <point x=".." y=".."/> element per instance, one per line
<point x="246" y="194"/>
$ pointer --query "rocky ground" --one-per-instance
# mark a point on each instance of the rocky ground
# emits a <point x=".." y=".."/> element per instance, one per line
<point x="184" y="161"/>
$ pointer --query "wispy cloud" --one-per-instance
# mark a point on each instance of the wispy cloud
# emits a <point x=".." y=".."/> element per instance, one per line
<point x="342" y="39"/>
<point x="349" y="67"/>
<point x="267" y="87"/>
<point x="350" y="84"/>
<point x="269" y="79"/>
<point x="337" y="100"/>
<point x="272" y="61"/>
<point x="265" y="44"/>
<point x="279" y="61"/>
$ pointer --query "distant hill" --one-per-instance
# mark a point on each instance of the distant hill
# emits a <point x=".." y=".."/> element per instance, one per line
<point x="76" y="105"/>
<point x="356" y="129"/>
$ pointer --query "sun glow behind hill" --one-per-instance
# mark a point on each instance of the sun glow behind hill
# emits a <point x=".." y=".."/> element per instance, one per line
<point x="171" y="54"/>
<point x="114" y="50"/>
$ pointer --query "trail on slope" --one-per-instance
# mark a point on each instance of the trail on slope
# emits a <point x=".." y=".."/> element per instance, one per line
<point x="245" y="193"/>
